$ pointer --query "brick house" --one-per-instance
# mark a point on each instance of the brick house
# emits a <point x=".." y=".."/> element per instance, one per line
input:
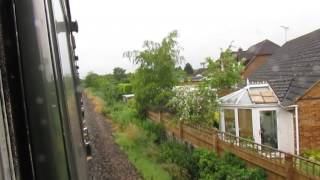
<point x="293" y="73"/>
<point x="256" y="56"/>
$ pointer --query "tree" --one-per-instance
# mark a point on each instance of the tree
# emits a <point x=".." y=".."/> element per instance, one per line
<point x="91" y="80"/>
<point x="224" y="73"/>
<point x="155" y="77"/>
<point x="119" y="74"/>
<point x="188" y="69"/>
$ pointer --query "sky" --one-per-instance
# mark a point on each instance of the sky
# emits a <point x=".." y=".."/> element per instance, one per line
<point x="108" y="28"/>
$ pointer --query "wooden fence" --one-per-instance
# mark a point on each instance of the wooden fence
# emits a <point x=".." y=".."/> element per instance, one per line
<point x="278" y="164"/>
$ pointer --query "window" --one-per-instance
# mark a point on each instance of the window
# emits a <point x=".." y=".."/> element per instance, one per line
<point x="229" y="119"/>
<point x="245" y="123"/>
<point x="268" y="125"/>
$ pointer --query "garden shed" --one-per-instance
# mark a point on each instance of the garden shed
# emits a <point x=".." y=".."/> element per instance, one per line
<point x="254" y="113"/>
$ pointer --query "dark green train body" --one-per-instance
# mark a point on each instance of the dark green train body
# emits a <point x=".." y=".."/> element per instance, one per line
<point x="41" y="125"/>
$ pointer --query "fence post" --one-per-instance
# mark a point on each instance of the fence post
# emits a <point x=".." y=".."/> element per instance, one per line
<point x="181" y="129"/>
<point x="289" y="166"/>
<point x="160" y="117"/>
<point x="215" y="142"/>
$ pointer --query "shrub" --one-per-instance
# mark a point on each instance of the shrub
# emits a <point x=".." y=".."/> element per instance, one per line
<point x="177" y="153"/>
<point x="233" y="160"/>
<point x="227" y="167"/>
<point x="176" y="172"/>
<point x="195" y="105"/>
<point x="156" y="132"/>
<point x="312" y="154"/>
<point x="124" y="88"/>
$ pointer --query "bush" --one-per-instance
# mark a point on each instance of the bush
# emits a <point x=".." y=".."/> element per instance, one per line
<point x="177" y="153"/>
<point x="194" y="105"/>
<point x="156" y="132"/>
<point x="123" y="115"/>
<point x="125" y="88"/>
<point x="176" y="172"/>
<point x="227" y="167"/>
<point x="312" y="154"/>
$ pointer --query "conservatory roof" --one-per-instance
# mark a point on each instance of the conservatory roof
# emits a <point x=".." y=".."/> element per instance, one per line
<point x="252" y="94"/>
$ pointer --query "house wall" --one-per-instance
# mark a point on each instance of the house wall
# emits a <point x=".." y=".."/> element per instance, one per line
<point x="309" y="119"/>
<point x="254" y="65"/>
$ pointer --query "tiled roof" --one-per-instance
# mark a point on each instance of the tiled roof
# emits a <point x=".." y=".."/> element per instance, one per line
<point x="265" y="47"/>
<point x="293" y="68"/>
<point x="280" y="87"/>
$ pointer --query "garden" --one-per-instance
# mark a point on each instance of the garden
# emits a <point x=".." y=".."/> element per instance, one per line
<point x="155" y="85"/>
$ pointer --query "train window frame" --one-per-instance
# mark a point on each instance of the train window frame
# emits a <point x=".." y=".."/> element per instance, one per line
<point x="71" y="127"/>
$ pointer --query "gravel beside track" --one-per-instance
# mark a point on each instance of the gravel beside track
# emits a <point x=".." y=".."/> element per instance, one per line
<point x="108" y="161"/>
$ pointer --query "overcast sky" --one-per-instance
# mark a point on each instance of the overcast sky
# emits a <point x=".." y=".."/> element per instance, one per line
<point x="107" y="28"/>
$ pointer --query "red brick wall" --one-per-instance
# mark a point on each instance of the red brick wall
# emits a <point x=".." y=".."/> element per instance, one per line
<point x="254" y="65"/>
<point x="309" y="119"/>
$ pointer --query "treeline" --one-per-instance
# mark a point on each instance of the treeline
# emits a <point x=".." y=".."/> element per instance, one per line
<point x="110" y="87"/>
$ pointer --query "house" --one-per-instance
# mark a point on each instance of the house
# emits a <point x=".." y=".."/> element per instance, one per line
<point x="253" y="112"/>
<point x="292" y="76"/>
<point x="256" y="56"/>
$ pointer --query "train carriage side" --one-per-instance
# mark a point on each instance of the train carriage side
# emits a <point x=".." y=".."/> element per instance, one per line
<point x="40" y="120"/>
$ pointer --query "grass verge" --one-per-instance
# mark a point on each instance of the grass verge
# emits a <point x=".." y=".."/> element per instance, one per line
<point x="145" y="165"/>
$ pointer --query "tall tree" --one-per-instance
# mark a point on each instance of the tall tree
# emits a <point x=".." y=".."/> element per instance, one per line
<point x="224" y="73"/>
<point x="188" y="69"/>
<point x="155" y="77"/>
<point x="119" y="74"/>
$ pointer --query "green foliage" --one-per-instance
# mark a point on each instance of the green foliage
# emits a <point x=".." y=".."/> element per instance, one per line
<point x="228" y="167"/>
<point x="91" y="80"/>
<point x="312" y="154"/>
<point x="194" y="105"/>
<point x="157" y="157"/>
<point x="188" y="69"/>
<point x="180" y="74"/>
<point x="174" y="152"/>
<point x="119" y="74"/>
<point x="224" y="73"/>
<point x="110" y="86"/>
<point x="125" y="88"/>
<point x="155" y="77"/>
<point x="137" y="155"/>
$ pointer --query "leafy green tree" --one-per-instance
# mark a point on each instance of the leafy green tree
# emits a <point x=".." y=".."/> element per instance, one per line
<point x="155" y="76"/>
<point x="91" y="80"/>
<point x="119" y="74"/>
<point x="188" y="69"/>
<point x="224" y="73"/>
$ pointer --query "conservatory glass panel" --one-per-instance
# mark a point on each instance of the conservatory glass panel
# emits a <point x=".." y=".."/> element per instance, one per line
<point x="245" y="123"/>
<point x="268" y="124"/>
<point x="229" y="118"/>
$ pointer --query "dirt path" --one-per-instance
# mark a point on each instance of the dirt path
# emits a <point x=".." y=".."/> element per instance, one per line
<point x="108" y="161"/>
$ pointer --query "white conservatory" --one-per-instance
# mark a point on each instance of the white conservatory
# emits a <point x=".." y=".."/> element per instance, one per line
<point x="253" y="112"/>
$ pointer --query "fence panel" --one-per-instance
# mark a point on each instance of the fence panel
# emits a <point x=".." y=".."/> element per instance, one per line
<point x="281" y="164"/>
